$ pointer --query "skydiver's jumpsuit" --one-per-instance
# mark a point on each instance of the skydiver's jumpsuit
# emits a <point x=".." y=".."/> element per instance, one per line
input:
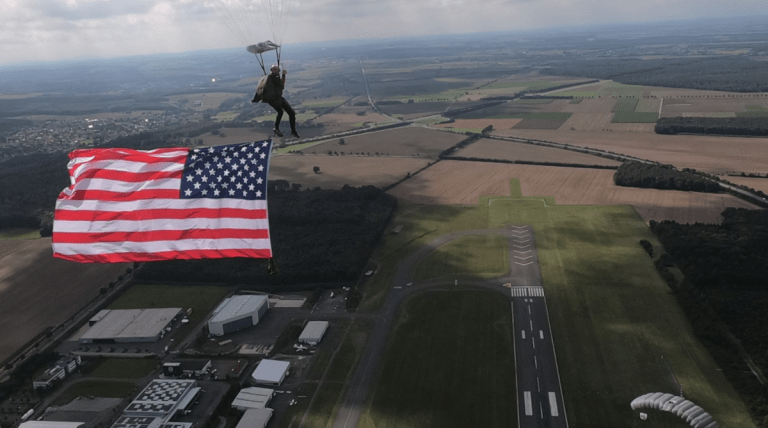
<point x="276" y="85"/>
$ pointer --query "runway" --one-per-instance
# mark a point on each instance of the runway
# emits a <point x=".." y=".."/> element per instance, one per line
<point x="539" y="394"/>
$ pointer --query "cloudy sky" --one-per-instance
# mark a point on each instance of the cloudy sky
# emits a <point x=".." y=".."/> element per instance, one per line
<point x="44" y="30"/>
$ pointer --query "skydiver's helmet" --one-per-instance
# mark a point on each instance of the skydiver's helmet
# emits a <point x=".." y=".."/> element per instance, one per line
<point x="275" y="69"/>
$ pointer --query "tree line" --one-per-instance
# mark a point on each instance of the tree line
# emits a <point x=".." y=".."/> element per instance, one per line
<point x="657" y="176"/>
<point x="318" y="236"/>
<point x="726" y="283"/>
<point x="752" y="126"/>
<point x="719" y="73"/>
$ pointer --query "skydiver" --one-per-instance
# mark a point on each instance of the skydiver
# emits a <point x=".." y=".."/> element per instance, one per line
<point x="273" y="95"/>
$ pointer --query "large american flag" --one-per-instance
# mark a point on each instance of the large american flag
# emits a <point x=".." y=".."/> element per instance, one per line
<point x="173" y="203"/>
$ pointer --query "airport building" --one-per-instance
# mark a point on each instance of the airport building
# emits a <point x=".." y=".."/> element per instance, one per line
<point x="236" y="313"/>
<point x="253" y="398"/>
<point x="313" y="332"/>
<point x="255" y="418"/>
<point x="271" y="372"/>
<point x="188" y="368"/>
<point x="129" y="325"/>
<point x="158" y="404"/>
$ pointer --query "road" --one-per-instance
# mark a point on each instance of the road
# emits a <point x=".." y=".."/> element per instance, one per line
<point x="536" y="367"/>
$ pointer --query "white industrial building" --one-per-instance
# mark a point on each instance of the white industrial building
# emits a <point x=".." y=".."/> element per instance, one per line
<point x="253" y="398"/>
<point x="255" y="418"/>
<point x="271" y="372"/>
<point x="158" y="404"/>
<point x="313" y="332"/>
<point x="236" y="313"/>
<point x="129" y="325"/>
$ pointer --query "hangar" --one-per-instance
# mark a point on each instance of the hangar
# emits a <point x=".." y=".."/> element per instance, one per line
<point x="253" y="398"/>
<point x="129" y="325"/>
<point x="313" y="332"/>
<point x="270" y="372"/>
<point x="236" y="313"/>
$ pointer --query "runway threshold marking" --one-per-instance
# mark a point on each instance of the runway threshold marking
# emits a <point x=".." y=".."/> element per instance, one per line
<point x="528" y="403"/>
<point x="553" y="404"/>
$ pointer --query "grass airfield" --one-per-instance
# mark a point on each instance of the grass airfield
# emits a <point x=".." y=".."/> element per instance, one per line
<point x="618" y="330"/>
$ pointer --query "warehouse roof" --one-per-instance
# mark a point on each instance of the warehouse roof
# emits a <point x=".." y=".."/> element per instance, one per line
<point x="270" y="371"/>
<point x="130" y="323"/>
<point x="314" y="331"/>
<point x="253" y="398"/>
<point x="237" y="306"/>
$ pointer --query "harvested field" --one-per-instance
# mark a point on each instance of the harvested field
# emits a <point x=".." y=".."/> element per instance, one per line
<point x="349" y="115"/>
<point x="590" y="105"/>
<point x="336" y="171"/>
<point x="539" y="124"/>
<point x="405" y="141"/>
<point x="38" y="291"/>
<point x="457" y="182"/>
<point x="507" y="150"/>
<point x="479" y="124"/>
<point x="203" y="101"/>
<point x="414" y="110"/>
<point x="236" y="135"/>
<point x="751" y="182"/>
<point x="712" y="154"/>
<point x="588" y="121"/>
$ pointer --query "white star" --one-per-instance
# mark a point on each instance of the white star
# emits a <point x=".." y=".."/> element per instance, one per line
<point x="231" y="193"/>
<point x="204" y="192"/>
<point x="187" y="192"/>
<point x="261" y="168"/>
<point x="216" y="192"/>
<point x="204" y="178"/>
<point x="198" y="171"/>
<point x="228" y="159"/>
<point x="262" y="156"/>
<point x="251" y="187"/>
<point x="220" y="165"/>
<point x="259" y="180"/>
<point x="239" y="186"/>
<point x="197" y="186"/>
<point x="189" y="178"/>
<point x="258" y="194"/>
<point x="252" y="174"/>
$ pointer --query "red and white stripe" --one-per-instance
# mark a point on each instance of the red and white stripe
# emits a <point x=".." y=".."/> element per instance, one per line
<point x="124" y="206"/>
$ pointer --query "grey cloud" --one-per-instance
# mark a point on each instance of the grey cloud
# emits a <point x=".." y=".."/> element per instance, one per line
<point x="92" y="10"/>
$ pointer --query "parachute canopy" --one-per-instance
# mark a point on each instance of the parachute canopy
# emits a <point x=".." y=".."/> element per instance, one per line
<point x="262" y="47"/>
<point x="679" y="406"/>
<point x="252" y="20"/>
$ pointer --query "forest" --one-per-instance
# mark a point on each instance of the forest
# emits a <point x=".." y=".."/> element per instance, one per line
<point x="726" y="271"/>
<point x="722" y="73"/>
<point x="656" y="176"/>
<point x="752" y="126"/>
<point x="318" y="236"/>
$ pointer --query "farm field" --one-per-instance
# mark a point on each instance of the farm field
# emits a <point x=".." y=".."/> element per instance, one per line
<point x="752" y="182"/>
<point x="349" y="115"/>
<point x="507" y="150"/>
<point x="477" y="125"/>
<point x="28" y="271"/>
<point x="203" y="101"/>
<point x="458" y="183"/>
<point x="415" y="110"/>
<point x="337" y="171"/>
<point x="405" y="141"/>
<point x="711" y="154"/>
<point x="612" y="318"/>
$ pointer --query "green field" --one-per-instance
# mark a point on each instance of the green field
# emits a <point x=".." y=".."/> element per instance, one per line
<point x="125" y="368"/>
<point x="96" y="388"/>
<point x="19" y="233"/>
<point x="635" y="117"/>
<point x="617" y="328"/>
<point x="483" y="256"/>
<point x="462" y="375"/>
<point x="625" y="105"/>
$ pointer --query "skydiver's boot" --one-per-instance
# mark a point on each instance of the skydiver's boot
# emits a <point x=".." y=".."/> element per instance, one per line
<point x="295" y="134"/>
<point x="277" y="132"/>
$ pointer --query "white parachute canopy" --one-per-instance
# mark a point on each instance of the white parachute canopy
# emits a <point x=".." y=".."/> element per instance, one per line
<point x="261" y="25"/>
<point x="679" y="406"/>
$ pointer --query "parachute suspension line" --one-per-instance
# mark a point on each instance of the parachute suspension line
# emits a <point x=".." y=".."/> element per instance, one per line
<point x="233" y="21"/>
